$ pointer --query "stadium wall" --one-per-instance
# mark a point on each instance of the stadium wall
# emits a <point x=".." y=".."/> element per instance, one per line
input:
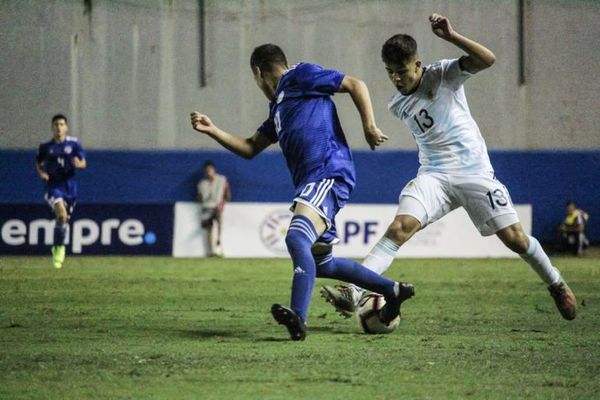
<point x="543" y="179"/>
<point x="128" y="72"/>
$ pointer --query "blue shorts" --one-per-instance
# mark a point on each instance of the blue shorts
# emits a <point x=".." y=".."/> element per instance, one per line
<point x="327" y="197"/>
<point x="63" y="191"/>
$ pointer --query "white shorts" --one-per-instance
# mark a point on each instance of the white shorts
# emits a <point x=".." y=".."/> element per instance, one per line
<point x="429" y="197"/>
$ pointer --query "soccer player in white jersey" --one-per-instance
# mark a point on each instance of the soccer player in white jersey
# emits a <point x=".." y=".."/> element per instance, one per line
<point x="455" y="168"/>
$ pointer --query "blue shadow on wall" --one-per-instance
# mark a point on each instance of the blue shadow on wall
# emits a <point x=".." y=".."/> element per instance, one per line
<point x="545" y="179"/>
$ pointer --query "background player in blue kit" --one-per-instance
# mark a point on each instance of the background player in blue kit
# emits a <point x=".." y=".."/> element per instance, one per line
<point x="303" y="119"/>
<point x="56" y="162"/>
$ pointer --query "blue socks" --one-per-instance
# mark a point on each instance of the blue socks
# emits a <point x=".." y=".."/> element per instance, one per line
<point x="347" y="270"/>
<point x="299" y="240"/>
<point x="59" y="234"/>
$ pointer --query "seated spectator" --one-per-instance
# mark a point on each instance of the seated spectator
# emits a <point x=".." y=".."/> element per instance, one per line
<point x="572" y="230"/>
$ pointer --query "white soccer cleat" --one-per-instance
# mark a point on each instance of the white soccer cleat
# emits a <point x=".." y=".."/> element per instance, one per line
<point x="342" y="297"/>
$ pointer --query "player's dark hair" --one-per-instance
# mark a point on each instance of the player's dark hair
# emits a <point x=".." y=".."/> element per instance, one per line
<point x="59" y="116"/>
<point x="208" y="163"/>
<point x="267" y="56"/>
<point x="399" y="49"/>
<point x="569" y="203"/>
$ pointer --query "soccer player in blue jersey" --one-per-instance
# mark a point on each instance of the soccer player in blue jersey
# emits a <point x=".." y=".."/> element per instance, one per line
<point x="56" y="162"/>
<point x="303" y="119"/>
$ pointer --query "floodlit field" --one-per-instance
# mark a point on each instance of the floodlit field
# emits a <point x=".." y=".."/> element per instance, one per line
<point x="163" y="328"/>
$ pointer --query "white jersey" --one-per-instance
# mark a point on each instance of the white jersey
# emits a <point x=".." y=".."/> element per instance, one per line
<point x="438" y="116"/>
<point x="212" y="193"/>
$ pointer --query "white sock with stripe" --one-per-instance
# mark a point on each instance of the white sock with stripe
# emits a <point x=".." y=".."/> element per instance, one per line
<point x="540" y="263"/>
<point x="381" y="255"/>
<point x="378" y="260"/>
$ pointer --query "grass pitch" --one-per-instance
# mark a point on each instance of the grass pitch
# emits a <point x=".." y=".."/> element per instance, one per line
<point x="163" y="328"/>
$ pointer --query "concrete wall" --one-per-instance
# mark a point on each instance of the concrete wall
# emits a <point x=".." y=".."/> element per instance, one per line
<point x="127" y="72"/>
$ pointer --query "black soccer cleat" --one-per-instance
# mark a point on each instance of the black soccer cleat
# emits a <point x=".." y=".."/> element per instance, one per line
<point x="391" y="309"/>
<point x="294" y="324"/>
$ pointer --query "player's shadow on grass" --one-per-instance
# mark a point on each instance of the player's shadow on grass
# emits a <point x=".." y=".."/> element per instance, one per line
<point x="207" y="333"/>
<point x="211" y="333"/>
<point x="284" y="337"/>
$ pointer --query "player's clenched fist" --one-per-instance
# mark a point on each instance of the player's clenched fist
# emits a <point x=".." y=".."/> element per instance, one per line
<point x="202" y="123"/>
<point x="440" y="25"/>
<point x="375" y="137"/>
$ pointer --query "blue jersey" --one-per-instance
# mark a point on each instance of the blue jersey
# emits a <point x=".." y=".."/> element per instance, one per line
<point x="57" y="159"/>
<point x="303" y="119"/>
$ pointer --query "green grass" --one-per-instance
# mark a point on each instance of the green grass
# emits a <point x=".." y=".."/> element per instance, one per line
<point x="163" y="328"/>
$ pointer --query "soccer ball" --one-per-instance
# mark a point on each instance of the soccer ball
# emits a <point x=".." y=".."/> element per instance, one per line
<point x="368" y="315"/>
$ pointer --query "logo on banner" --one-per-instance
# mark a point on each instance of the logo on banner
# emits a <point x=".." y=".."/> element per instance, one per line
<point x="83" y="232"/>
<point x="273" y="230"/>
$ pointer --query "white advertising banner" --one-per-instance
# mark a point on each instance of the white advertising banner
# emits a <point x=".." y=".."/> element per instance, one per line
<point x="258" y="230"/>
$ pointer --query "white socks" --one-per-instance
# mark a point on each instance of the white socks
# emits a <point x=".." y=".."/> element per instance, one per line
<point x="378" y="260"/>
<point x="381" y="256"/>
<point x="539" y="261"/>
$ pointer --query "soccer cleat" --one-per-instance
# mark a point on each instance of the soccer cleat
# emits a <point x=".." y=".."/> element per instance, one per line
<point x="564" y="298"/>
<point x="291" y="320"/>
<point x="58" y="256"/>
<point x="341" y="297"/>
<point x="391" y="309"/>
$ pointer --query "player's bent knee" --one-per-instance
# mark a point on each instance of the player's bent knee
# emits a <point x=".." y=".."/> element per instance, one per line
<point x="520" y="244"/>
<point x="60" y="212"/>
<point x="514" y="238"/>
<point x="321" y="250"/>
<point x="61" y="217"/>
<point x="402" y="229"/>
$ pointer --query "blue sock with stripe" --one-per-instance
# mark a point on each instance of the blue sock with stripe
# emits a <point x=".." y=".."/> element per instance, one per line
<point x="299" y="240"/>
<point x="347" y="270"/>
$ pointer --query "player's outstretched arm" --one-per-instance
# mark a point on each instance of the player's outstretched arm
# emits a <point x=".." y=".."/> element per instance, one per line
<point x="362" y="100"/>
<point x="247" y="148"/>
<point x="478" y="57"/>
